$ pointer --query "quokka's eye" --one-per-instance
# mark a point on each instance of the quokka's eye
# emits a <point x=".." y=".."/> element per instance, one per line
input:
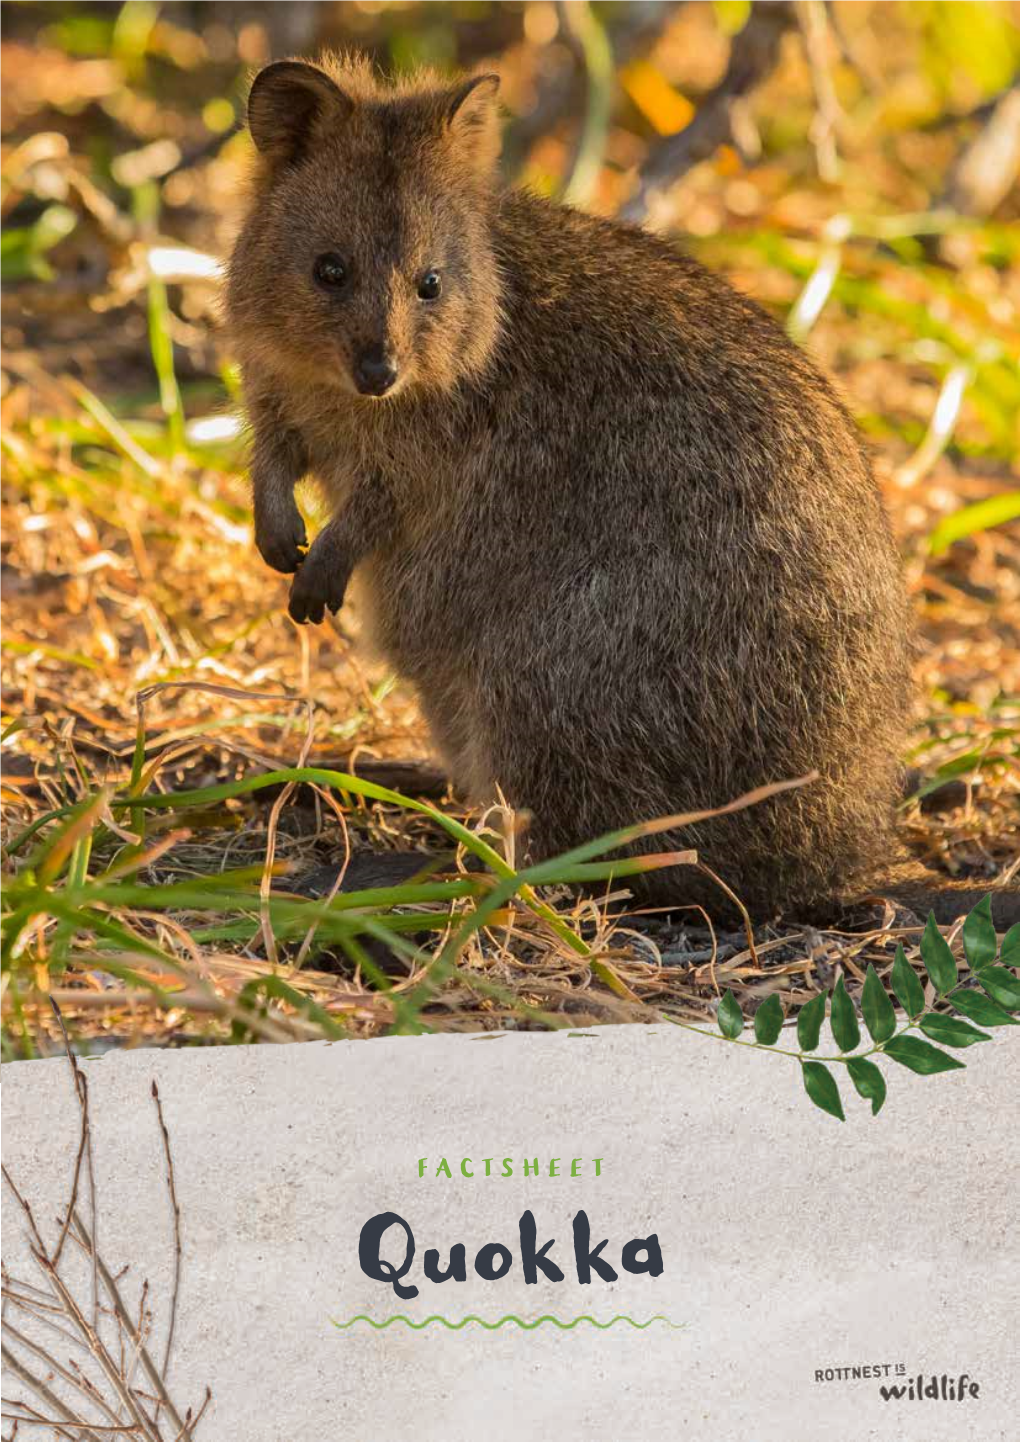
<point x="330" y="271"/>
<point x="430" y="286"/>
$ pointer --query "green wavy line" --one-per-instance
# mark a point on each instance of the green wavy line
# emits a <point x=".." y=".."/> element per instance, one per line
<point x="503" y="1322"/>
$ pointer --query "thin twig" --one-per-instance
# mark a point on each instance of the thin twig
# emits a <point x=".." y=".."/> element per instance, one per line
<point x="338" y="880"/>
<point x="172" y="1189"/>
<point x="193" y="1422"/>
<point x="96" y="1346"/>
<point x="744" y="916"/>
<point x="82" y="1092"/>
<point x="33" y="1418"/>
<point x="596" y="50"/>
<point x="38" y="1420"/>
<point x="23" y="1203"/>
<point x="39" y="1387"/>
<point x="80" y="1382"/>
<point x="122" y="1313"/>
<point x="80" y="1086"/>
<point x="814" y="25"/>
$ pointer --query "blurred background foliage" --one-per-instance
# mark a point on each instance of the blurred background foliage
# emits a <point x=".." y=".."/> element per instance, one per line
<point x="854" y="166"/>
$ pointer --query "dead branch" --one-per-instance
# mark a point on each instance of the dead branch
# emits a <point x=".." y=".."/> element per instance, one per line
<point x="753" y="57"/>
<point x="633" y="31"/>
<point x="81" y="1088"/>
<point x="119" y="1402"/>
<point x="38" y="1386"/>
<point x="124" y="1318"/>
<point x="171" y="1186"/>
<point x="97" y="1347"/>
<point x="79" y="1381"/>
<point x="988" y="168"/>
<point x="815" y="31"/>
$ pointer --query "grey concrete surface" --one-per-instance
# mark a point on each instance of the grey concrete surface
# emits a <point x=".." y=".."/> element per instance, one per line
<point x="790" y="1243"/>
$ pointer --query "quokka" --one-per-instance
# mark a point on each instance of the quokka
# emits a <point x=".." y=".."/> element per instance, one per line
<point x="616" y="528"/>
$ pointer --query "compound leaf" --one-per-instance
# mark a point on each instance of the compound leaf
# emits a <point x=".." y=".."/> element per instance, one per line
<point x="768" y="1021"/>
<point x="920" y="1056"/>
<point x="869" y="1081"/>
<point x="951" y="1032"/>
<point x="938" y="959"/>
<point x="982" y="1009"/>
<point x="979" y="940"/>
<point x="820" y="1085"/>
<point x="730" y="1017"/>
<point x="809" y="1022"/>
<point x="876" y="1008"/>
<point x="843" y="1018"/>
<point x="906" y="985"/>
<point x="1001" y="985"/>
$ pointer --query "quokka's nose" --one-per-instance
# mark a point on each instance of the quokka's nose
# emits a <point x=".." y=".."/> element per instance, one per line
<point x="374" y="373"/>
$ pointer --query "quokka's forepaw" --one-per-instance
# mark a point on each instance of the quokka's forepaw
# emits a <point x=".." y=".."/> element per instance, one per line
<point x="316" y="589"/>
<point x="284" y="546"/>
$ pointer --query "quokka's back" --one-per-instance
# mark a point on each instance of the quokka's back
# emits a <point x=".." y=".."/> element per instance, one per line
<point x="617" y="529"/>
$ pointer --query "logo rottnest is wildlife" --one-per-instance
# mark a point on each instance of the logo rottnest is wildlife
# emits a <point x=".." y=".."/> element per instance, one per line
<point x="896" y="1386"/>
<point x="933" y="1389"/>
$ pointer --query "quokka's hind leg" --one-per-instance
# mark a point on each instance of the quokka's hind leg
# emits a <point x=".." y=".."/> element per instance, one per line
<point x="459" y="738"/>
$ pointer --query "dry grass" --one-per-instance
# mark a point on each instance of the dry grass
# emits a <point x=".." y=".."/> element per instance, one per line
<point x="128" y="564"/>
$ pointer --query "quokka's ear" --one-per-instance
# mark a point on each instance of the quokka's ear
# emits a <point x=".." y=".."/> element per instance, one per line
<point x="470" y="114"/>
<point x="471" y="103"/>
<point x="288" y="103"/>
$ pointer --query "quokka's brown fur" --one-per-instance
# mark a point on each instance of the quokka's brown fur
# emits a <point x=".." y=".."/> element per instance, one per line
<point x="617" y="529"/>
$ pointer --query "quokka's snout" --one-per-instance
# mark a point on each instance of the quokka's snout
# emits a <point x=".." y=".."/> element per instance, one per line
<point x="375" y="372"/>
